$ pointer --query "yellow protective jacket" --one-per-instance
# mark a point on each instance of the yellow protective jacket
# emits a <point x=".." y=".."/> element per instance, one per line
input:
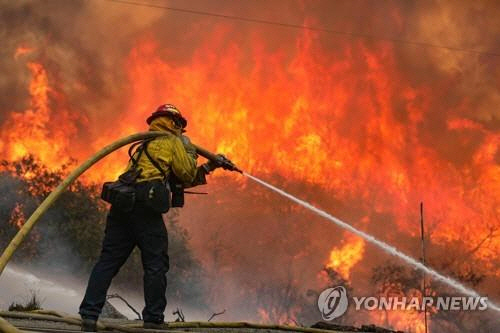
<point x="171" y="155"/>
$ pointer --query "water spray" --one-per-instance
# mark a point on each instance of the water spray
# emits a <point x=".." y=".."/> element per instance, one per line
<point x="384" y="246"/>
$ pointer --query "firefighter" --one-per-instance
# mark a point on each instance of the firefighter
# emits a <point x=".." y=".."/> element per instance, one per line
<point x="164" y="158"/>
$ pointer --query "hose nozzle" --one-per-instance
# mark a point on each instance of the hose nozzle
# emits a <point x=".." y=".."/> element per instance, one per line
<point x="227" y="164"/>
<point x="222" y="160"/>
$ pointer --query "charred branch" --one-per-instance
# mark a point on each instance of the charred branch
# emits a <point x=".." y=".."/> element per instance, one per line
<point x="180" y="315"/>
<point x="108" y="297"/>
<point x="217" y="314"/>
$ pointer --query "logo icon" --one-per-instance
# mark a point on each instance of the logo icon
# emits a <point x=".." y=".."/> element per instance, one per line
<point x="332" y="302"/>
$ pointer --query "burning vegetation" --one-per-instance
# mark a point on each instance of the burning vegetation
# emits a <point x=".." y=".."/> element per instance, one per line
<point x="363" y="128"/>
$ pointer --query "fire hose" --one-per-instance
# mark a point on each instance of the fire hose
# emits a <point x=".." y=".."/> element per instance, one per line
<point x="135" y="327"/>
<point x="56" y="193"/>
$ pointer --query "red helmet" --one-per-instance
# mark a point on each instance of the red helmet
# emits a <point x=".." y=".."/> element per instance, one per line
<point x="170" y="111"/>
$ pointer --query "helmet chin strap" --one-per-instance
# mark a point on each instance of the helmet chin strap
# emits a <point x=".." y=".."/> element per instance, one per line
<point x="175" y="127"/>
<point x="176" y="124"/>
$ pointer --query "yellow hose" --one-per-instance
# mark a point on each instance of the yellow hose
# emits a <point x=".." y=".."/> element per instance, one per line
<point x="6" y="327"/>
<point x="171" y="327"/>
<point x="26" y="228"/>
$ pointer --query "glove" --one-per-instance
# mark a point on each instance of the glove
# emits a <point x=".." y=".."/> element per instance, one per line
<point x="214" y="164"/>
<point x="190" y="148"/>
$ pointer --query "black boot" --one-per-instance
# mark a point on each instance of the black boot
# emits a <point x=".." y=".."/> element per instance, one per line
<point x="153" y="326"/>
<point x="89" y="325"/>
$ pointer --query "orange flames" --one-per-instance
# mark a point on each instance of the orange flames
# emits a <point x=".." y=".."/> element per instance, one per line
<point x="277" y="316"/>
<point x="345" y="121"/>
<point x="39" y="130"/>
<point x="17" y="217"/>
<point x="22" y="50"/>
<point x="344" y="258"/>
<point x="408" y="321"/>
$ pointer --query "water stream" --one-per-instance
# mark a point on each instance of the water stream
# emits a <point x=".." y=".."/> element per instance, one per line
<point x="382" y="245"/>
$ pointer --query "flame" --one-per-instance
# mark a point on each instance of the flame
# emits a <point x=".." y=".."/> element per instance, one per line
<point x="277" y="316"/>
<point x="39" y="130"/>
<point x="407" y="321"/>
<point x="22" y="50"/>
<point x="17" y="217"/>
<point x="344" y="258"/>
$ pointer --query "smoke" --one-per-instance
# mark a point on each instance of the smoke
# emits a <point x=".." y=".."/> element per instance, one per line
<point x="16" y="282"/>
<point x="54" y="291"/>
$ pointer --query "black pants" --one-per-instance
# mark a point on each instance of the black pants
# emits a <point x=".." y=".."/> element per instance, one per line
<point x="142" y="227"/>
